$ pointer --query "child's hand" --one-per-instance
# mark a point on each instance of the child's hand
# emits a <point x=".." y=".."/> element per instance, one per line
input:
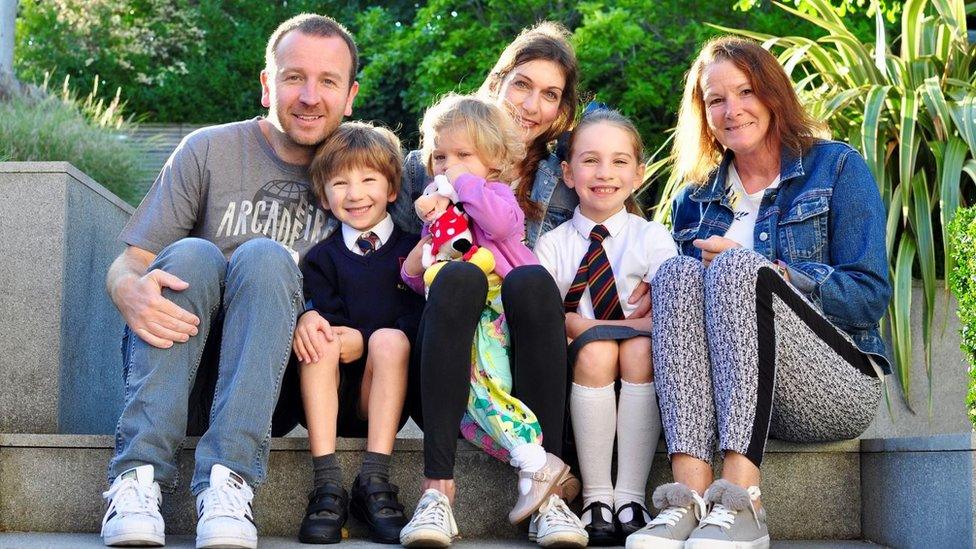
<point x="311" y="335"/>
<point x="455" y="172"/>
<point x="413" y="265"/>
<point x="350" y="344"/>
<point x="575" y="325"/>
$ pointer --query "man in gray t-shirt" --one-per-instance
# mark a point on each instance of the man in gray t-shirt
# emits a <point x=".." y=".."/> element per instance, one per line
<point x="210" y="279"/>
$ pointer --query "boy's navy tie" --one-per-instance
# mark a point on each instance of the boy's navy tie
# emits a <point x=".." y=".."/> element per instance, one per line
<point x="367" y="242"/>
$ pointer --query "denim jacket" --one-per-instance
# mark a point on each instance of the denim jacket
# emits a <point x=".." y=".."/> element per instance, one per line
<point x="558" y="201"/>
<point x="826" y="221"/>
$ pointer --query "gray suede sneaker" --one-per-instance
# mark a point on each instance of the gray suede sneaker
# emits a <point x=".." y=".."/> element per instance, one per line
<point x="733" y="521"/>
<point x="682" y="508"/>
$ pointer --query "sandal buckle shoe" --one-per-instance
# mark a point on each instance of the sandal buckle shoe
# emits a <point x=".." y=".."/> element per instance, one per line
<point x="554" y="525"/>
<point x="570" y="486"/>
<point x="325" y="515"/>
<point x="636" y="522"/>
<point x="375" y="503"/>
<point x="681" y="509"/>
<point x="602" y="533"/>
<point x="733" y="522"/>
<point x="545" y="482"/>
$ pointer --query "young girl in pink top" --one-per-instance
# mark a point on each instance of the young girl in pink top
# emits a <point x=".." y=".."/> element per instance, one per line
<point x="476" y="145"/>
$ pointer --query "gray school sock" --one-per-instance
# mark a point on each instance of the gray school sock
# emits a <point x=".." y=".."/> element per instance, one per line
<point x="375" y="465"/>
<point x="326" y="469"/>
<point x="638" y="430"/>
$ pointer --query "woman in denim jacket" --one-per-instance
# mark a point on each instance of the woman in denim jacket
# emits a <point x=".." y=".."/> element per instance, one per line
<point x="767" y="325"/>
<point x="536" y="78"/>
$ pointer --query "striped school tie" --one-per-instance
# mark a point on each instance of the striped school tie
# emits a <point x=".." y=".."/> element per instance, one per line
<point x="367" y="242"/>
<point x="594" y="271"/>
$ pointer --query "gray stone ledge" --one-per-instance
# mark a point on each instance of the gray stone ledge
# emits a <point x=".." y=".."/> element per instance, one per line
<point x="67" y="168"/>
<point x="359" y="444"/>
<point x="933" y="443"/>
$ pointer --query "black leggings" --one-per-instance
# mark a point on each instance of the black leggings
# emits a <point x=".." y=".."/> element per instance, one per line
<point x="536" y="324"/>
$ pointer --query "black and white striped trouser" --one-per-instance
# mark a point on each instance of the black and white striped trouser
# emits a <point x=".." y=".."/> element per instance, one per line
<point x="738" y="352"/>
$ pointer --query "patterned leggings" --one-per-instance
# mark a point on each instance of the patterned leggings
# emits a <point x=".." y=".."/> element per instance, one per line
<point x="738" y="352"/>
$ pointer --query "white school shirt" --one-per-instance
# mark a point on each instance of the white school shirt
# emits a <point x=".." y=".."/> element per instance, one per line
<point x="635" y="248"/>
<point x="383" y="229"/>
<point x="745" y="208"/>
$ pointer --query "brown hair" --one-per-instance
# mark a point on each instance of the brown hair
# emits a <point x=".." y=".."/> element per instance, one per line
<point x="696" y="151"/>
<point x="545" y="41"/>
<point x="613" y="118"/>
<point x="490" y="129"/>
<point x="312" y="25"/>
<point x="357" y="145"/>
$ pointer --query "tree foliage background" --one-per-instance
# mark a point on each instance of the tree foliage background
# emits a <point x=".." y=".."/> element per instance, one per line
<point x="198" y="60"/>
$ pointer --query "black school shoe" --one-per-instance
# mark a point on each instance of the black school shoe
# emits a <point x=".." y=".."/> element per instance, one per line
<point x="636" y="522"/>
<point x="375" y="503"/>
<point x="326" y="514"/>
<point x="601" y="532"/>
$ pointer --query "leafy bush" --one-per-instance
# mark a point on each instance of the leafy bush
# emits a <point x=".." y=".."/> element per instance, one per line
<point x="197" y="61"/>
<point x="177" y="60"/>
<point x="632" y="53"/>
<point x="962" y="232"/>
<point x="88" y="132"/>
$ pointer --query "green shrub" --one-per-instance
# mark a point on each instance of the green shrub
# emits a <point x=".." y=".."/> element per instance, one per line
<point x="962" y="232"/>
<point x="88" y="132"/>
<point x="198" y="60"/>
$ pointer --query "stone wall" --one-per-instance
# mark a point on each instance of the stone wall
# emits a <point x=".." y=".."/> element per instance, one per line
<point x="59" y="333"/>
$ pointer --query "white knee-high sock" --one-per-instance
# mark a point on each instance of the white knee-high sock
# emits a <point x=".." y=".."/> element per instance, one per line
<point x="638" y="430"/>
<point x="594" y="413"/>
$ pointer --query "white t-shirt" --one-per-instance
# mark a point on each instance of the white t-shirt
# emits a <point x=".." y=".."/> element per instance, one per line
<point x="745" y="208"/>
<point x="635" y="248"/>
<point x="383" y="230"/>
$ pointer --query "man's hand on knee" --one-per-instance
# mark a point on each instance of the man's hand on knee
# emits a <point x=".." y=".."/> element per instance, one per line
<point x="155" y="319"/>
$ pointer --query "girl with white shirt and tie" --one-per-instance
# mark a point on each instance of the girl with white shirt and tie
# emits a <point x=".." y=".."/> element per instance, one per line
<point x="602" y="253"/>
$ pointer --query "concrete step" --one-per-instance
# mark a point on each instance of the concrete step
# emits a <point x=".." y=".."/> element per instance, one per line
<point x="92" y="541"/>
<point x="52" y="483"/>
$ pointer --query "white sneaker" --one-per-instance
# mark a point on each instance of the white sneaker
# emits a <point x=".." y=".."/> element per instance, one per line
<point x="133" y="515"/>
<point x="554" y="525"/>
<point x="432" y="524"/>
<point x="225" y="518"/>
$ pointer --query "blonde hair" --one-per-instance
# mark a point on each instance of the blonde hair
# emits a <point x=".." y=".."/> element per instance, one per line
<point x="357" y="145"/>
<point x="546" y="41"/>
<point x="612" y="118"/>
<point x="696" y="151"/>
<point x="490" y="129"/>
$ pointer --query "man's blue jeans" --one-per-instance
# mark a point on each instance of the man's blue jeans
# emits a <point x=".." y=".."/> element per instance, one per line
<point x="257" y="295"/>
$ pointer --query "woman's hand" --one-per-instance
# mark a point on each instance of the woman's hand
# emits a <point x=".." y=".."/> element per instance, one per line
<point x="641" y="296"/>
<point x="714" y="245"/>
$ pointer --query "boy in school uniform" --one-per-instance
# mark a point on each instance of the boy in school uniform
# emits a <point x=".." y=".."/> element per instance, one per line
<point x="353" y="341"/>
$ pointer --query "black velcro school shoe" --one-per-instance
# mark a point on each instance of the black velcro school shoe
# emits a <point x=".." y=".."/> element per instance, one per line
<point x="601" y="532"/>
<point x="638" y="521"/>
<point x="326" y="514"/>
<point x="375" y="503"/>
